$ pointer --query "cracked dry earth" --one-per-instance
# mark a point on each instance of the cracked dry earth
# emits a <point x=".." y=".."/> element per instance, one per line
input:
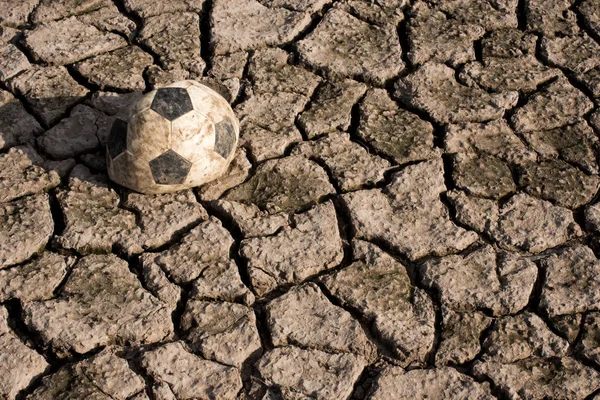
<point x="412" y="212"/>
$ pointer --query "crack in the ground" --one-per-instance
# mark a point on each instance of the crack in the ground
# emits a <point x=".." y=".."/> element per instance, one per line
<point x="234" y="251"/>
<point x="206" y="49"/>
<point x="412" y="269"/>
<point x="522" y="15"/>
<point x="29" y="22"/>
<point x="354" y="127"/>
<point x="23" y="100"/>
<point x="262" y="326"/>
<point x="311" y="98"/>
<point x="19" y="43"/>
<point x="384" y="349"/>
<point x="131" y="16"/>
<point x="403" y="39"/>
<point x="571" y="77"/>
<point x="323" y="164"/>
<point x="26" y="335"/>
<point x="365" y="383"/>
<point x="316" y="18"/>
<point x="177" y="314"/>
<point x="448" y="163"/>
<point x="58" y="215"/>
<point x="82" y="80"/>
<point x="582" y="22"/>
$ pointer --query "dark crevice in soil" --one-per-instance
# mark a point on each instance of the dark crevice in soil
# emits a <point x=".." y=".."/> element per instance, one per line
<point x="412" y="269"/>
<point x="146" y="77"/>
<point x="577" y="340"/>
<point x="354" y="137"/>
<point x="365" y="382"/>
<point x="576" y="350"/>
<point x="515" y="173"/>
<point x="286" y="287"/>
<point x="57" y="214"/>
<point x="577" y="355"/>
<point x="478" y="49"/>
<point x="20" y="44"/>
<point x="346" y="231"/>
<point x="155" y="57"/>
<point x="275" y="293"/>
<point x="575" y="82"/>
<point x="403" y="38"/>
<point x="494" y="389"/>
<point x="246" y="83"/>
<point x="65" y="115"/>
<point x="450" y="186"/>
<point x="438" y="324"/>
<point x="29" y="22"/>
<point x="522" y="15"/>
<point x="132" y="356"/>
<point x="22" y="331"/>
<point x="131" y="16"/>
<point x="295" y="61"/>
<point x="176" y="315"/>
<point x="33" y="385"/>
<point x="206" y="50"/>
<point x="579" y="217"/>
<point x="139" y="22"/>
<point x="70" y="265"/>
<point x="25" y="104"/>
<point x="250" y="77"/>
<point x="236" y="234"/>
<point x="383" y="348"/>
<point x="82" y="80"/>
<point x="33" y="340"/>
<point x="309" y="103"/>
<point x="122" y="193"/>
<point x="571" y="77"/>
<point x="522" y="101"/>
<point x="315" y="20"/>
<point x="593" y="396"/>
<point x="533" y="304"/>
<point x="582" y="22"/>
<point x="355" y="116"/>
<point x="593" y="242"/>
<point x="329" y="173"/>
<point x="287" y="152"/>
<point x="467" y="367"/>
<point x="448" y="161"/>
<point x="175" y="237"/>
<point x="438" y="129"/>
<point x="262" y="326"/>
<point x="247" y="370"/>
<point x="135" y="267"/>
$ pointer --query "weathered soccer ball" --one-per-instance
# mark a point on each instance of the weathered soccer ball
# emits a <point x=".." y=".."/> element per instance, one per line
<point x="179" y="136"/>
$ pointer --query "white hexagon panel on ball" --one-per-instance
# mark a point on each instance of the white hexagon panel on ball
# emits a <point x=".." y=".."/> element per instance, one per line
<point x="176" y="137"/>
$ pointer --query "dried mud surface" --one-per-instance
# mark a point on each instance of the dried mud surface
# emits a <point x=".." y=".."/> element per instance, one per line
<point x="412" y="213"/>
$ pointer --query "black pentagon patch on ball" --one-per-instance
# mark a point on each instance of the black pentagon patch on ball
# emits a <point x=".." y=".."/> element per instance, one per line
<point x="224" y="138"/>
<point x="170" y="168"/>
<point x="117" y="140"/>
<point x="172" y="103"/>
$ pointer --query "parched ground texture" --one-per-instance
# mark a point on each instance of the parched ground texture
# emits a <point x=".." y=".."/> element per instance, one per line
<point x="411" y="212"/>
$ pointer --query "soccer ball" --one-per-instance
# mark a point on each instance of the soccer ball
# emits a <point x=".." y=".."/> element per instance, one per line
<point x="176" y="137"/>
